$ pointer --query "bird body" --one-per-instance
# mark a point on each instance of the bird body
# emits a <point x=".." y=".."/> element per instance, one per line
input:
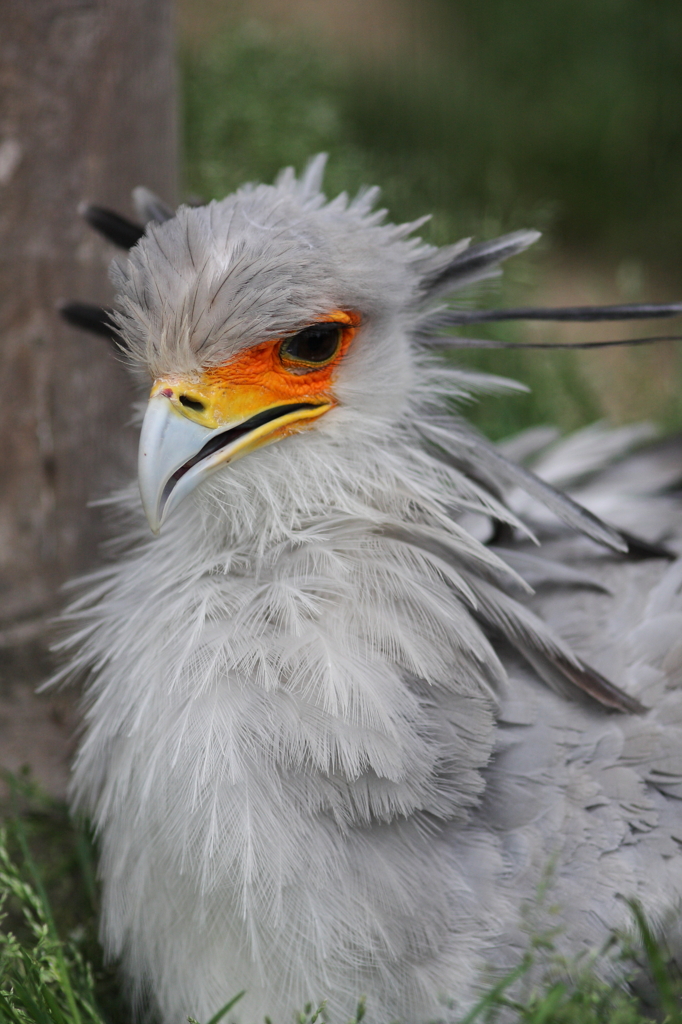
<point x="321" y="754"/>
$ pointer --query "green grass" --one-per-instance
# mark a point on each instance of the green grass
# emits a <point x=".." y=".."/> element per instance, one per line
<point x="51" y="970"/>
<point x="51" y="961"/>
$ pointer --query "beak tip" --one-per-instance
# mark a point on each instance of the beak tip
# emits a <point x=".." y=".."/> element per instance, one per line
<point x="154" y="521"/>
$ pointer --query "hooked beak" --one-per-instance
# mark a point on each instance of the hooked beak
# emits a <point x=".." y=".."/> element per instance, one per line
<point x="177" y="451"/>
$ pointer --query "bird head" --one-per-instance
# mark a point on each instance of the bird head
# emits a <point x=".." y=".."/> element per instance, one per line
<point x="256" y="318"/>
<point x="269" y="314"/>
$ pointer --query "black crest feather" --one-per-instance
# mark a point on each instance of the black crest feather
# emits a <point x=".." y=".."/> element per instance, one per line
<point x="115" y="228"/>
<point x="96" y="319"/>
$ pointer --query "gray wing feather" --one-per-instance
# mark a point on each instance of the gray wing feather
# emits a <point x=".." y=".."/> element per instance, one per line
<point x="466" y="450"/>
<point x="542" y="572"/>
<point x="600" y="794"/>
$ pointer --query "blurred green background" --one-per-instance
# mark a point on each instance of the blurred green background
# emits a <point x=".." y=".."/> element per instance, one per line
<point x="492" y="115"/>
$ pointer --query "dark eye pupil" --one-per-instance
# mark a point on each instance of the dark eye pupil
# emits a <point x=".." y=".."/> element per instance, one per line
<point x="315" y="344"/>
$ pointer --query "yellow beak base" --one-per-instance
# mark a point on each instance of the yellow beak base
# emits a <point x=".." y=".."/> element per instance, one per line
<point x="182" y="442"/>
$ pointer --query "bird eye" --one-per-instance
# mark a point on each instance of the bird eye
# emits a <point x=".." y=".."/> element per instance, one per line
<point x="314" y="345"/>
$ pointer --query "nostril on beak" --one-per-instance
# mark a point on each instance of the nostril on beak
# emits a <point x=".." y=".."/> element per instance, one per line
<point x="191" y="403"/>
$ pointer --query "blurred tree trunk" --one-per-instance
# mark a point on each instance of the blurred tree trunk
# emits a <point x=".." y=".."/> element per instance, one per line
<point x="88" y="112"/>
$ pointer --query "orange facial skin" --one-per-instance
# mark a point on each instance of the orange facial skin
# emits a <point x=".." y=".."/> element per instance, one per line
<point x="260" y="378"/>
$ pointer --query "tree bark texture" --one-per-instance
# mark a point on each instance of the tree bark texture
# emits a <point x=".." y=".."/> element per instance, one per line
<point x="87" y="111"/>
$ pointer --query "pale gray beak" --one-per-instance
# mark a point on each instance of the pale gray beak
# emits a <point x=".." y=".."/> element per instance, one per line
<point x="170" y="460"/>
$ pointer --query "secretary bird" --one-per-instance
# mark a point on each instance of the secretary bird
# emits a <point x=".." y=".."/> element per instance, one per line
<point x="334" y="741"/>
